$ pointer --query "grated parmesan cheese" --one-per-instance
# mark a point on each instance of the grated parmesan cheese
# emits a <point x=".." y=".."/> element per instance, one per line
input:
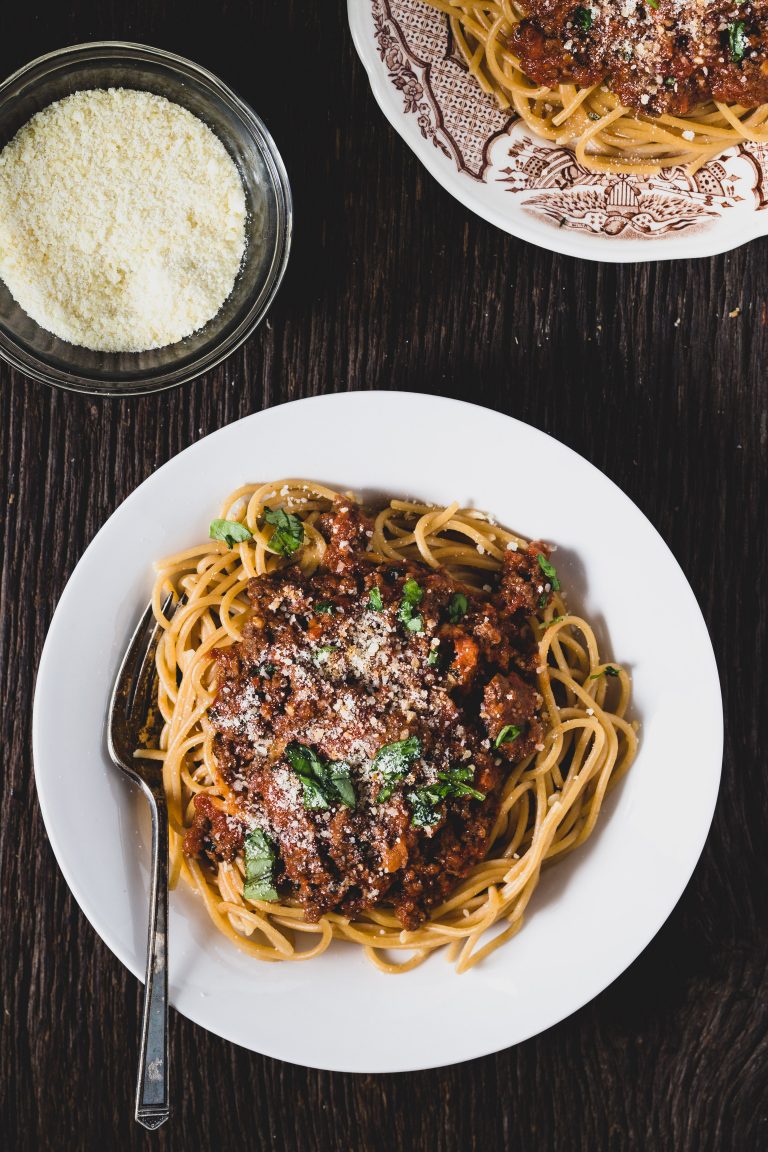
<point x="122" y="220"/>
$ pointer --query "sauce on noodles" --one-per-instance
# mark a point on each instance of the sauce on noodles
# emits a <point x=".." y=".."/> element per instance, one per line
<point x="421" y="688"/>
<point x="513" y="669"/>
<point x="632" y="86"/>
<point x="655" y="55"/>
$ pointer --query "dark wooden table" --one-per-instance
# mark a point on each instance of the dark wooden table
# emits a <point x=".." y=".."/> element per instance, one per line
<point x="393" y="285"/>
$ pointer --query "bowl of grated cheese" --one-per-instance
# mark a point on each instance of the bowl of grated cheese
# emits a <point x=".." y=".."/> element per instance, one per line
<point x="145" y="219"/>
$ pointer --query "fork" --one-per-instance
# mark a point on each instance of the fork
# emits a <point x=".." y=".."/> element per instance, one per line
<point x="129" y="717"/>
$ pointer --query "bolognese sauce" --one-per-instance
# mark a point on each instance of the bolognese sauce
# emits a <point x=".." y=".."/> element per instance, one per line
<point x="657" y="56"/>
<point x="366" y="721"/>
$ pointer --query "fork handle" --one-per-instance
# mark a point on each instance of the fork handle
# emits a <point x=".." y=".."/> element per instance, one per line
<point x="152" y="1101"/>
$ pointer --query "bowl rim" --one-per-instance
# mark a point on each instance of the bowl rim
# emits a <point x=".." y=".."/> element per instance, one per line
<point x="37" y="368"/>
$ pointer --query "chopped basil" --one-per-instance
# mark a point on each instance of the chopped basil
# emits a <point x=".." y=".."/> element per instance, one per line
<point x="737" y="40"/>
<point x="259" y="867"/>
<point x="413" y="594"/>
<point x="322" y="781"/>
<point x="267" y="671"/>
<point x="454" y="782"/>
<point x="314" y="794"/>
<point x="289" y="531"/>
<point x="374" y="600"/>
<point x="669" y="82"/>
<point x="425" y="801"/>
<point x="230" y="531"/>
<point x="340" y="775"/>
<point x="506" y="735"/>
<point x="325" y="608"/>
<point x="583" y="18"/>
<point x="457" y="608"/>
<point x="433" y="657"/>
<point x="320" y="655"/>
<point x="393" y="761"/>
<point x="653" y="3"/>
<point x="549" y="571"/>
<point x="609" y="670"/>
<point x="306" y="764"/>
<point x="424" y="804"/>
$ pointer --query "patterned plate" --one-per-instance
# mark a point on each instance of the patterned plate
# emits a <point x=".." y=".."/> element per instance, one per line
<point x="532" y="188"/>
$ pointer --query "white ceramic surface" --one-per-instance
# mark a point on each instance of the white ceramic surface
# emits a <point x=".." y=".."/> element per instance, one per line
<point x="592" y="914"/>
<point x="531" y="187"/>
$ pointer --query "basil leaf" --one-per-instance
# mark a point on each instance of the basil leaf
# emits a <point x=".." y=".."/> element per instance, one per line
<point x="374" y="600"/>
<point x="454" y="783"/>
<point x="425" y="801"/>
<point x="507" y="734"/>
<point x="652" y="3"/>
<point x="609" y="670"/>
<point x="320" y="655"/>
<point x="320" y="779"/>
<point x="289" y="531"/>
<point x="393" y="761"/>
<point x="737" y="40"/>
<point x="313" y="794"/>
<point x="309" y="768"/>
<point x="267" y="671"/>
<point x="457" y="608"/>
<point x="398" y="755"/>
<point x="433" y="657"/>
<point x="325" y="608"/>
<point x="260" y="890"/>
<point x="423" y="804"/>
<point x="259" y="866"/>
<point x="549" y="571"/>
<point x="230" y="531"/>
<point x="412" y="592"/>
<point x="412" y="595"/>
<point x="583" y="18"/>
<point x="340" y="775"/>
<point x="303" y="759"/>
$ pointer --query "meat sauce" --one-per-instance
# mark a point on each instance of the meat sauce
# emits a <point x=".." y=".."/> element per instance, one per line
<point x="333" y="662"/>
<point x="665" y="57"/>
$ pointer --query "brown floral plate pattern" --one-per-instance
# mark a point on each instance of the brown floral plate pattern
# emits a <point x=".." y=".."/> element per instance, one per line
<point x="533" y="188"/>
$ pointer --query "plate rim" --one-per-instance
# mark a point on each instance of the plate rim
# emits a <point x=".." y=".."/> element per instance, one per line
<point x="564" y="243"/>
<point x="135" y="964"/>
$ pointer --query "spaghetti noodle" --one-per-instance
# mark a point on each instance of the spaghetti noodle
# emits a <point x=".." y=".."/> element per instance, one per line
<point x="550" y="800"/>
<point x="661" y="122"/>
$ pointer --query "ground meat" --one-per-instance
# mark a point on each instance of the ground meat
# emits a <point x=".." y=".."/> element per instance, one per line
<point x="343" y="662"/>
<point x="524" y="587"/>
<point x="671" y="56"/>
<point x="213" y="833"/>
<point x="509" y="702"/>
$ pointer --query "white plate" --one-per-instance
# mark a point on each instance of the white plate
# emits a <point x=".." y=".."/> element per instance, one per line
<point x="592" y="914"/>
<point x="531" y="187"/>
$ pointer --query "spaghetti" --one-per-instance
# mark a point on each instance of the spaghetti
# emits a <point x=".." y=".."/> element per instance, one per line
<point x="656" y="108"/>
<point x="550" y="800"/>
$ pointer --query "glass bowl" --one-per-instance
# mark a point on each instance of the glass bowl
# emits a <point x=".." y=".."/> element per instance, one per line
<point x="112" y="64"/>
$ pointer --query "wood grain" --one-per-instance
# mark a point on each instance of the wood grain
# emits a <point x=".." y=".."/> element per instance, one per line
<point x="394" y="285"/>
